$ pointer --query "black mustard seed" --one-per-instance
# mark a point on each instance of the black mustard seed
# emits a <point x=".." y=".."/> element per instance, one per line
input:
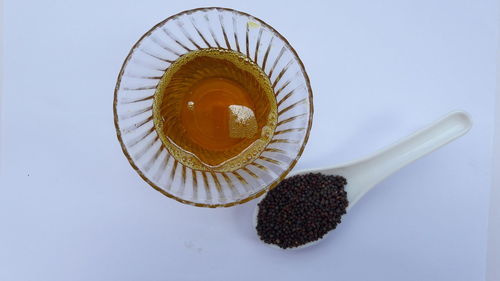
<point x="301" y="209"/>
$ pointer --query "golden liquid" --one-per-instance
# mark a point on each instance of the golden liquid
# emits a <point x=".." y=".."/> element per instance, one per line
<point x="215" y="110"/>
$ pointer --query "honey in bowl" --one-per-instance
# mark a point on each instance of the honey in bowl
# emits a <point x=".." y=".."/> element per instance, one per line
<point x="215" y="110"/>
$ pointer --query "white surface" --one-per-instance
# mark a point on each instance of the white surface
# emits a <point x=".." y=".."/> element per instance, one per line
<point x="72" y="208"/>
<point x="493" y="259"/>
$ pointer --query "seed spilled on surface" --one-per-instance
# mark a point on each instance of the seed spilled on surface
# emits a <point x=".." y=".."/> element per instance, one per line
<point x="301" y="209"/>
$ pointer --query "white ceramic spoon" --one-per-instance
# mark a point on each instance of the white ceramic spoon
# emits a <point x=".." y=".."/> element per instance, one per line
<point x="362" y="175"/>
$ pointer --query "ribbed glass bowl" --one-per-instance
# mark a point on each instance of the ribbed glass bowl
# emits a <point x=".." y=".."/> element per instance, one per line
<point x="147" y="62"/>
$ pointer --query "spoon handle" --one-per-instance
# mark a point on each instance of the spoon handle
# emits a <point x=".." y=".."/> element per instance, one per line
<point x="366" y="173"/>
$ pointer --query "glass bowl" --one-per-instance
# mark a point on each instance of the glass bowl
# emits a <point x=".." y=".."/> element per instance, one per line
<point x="142" y="70"/>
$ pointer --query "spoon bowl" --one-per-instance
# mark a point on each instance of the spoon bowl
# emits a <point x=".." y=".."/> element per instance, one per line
<point x="364" y="174"/>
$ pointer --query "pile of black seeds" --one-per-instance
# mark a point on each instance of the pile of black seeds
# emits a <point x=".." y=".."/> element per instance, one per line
<point x="301" y="209"/>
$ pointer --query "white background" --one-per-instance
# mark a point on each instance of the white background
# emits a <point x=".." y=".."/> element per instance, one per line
<point x="72" y="208"/>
